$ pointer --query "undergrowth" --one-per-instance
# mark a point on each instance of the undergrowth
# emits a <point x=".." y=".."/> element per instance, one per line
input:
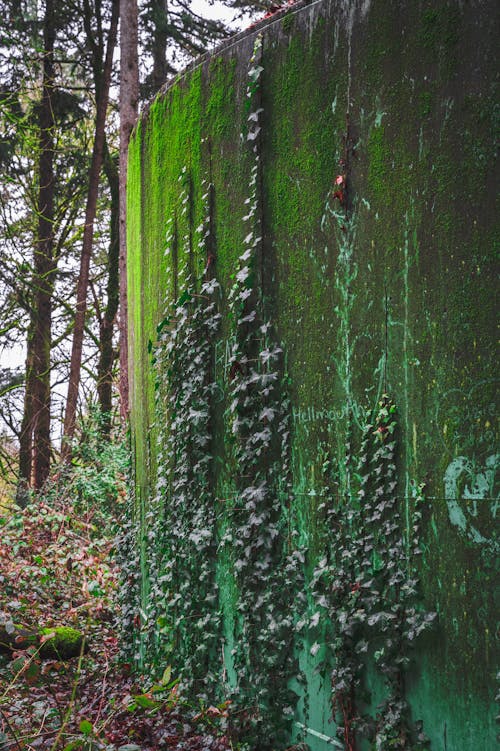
<point x="58" y="568"/>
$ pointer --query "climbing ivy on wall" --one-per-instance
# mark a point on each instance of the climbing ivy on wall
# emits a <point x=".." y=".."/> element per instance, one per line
<point x="266" y="560"/>
<point x="183" y="616"/>
<point x="363" y="590"/>
<point x="366" y="587"/>
<point x="128" y="557"/>
<point x="180" y="619"/>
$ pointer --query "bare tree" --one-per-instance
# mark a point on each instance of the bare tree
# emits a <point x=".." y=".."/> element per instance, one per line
<point x="107" y="317"/>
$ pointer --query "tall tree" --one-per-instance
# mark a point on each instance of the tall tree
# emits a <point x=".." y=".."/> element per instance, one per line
<point x="88" y="232"/>
<point x="129" y="103"/>
<point x="44" y="265"/>
<point x="108" y="316"/>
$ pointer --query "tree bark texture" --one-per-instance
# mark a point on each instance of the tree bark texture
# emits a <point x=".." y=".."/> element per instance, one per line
<point x="129" y="99"/>
<point x="26" y="432"/>
<point x="106" y="323"/>
<point x="44" y="264"/>
<point x="161" y="68"/>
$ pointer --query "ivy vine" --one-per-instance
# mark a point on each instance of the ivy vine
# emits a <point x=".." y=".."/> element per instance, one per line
<point x="366" y="587"/>
<point x="128" y="558"/>
<point x="267" y="563"/>
<point x="183" y="617"/>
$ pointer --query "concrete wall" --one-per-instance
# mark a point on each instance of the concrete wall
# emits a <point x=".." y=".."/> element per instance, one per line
<point x="382" y="283"/>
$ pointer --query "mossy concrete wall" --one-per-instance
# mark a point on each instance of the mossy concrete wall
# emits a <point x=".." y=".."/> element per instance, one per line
<point x="404" y="303"/>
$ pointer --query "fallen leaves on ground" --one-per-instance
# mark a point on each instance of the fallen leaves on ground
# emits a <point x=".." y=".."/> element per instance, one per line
<point x="57" y="569"/>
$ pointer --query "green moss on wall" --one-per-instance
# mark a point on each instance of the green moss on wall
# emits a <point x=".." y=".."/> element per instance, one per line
<point x="395" y="294"/>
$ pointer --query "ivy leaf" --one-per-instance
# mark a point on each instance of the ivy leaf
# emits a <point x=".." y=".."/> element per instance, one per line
<point x="254" y="116"/>
<point x="167" y="675"/>
<point x="361" y="647"/>
<point x="184" y="298"/>
<point x="314" y="620"/>
<point x="252" y="135"/>
<point x="255" y="72"/>
<point x="145" y="701"/>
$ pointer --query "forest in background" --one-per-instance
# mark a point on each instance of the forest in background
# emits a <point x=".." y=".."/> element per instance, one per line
<point x="71" y="87"/>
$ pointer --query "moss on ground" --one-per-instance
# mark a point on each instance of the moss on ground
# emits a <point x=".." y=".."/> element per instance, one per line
<point x="61" y="642"/>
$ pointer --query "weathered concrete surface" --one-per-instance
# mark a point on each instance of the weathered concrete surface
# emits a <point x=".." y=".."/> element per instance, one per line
<point x="404" y="301"/>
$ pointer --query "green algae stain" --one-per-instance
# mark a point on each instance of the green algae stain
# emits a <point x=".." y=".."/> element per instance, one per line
<point x="380" y="159"/>
<point x="221" y="90"/>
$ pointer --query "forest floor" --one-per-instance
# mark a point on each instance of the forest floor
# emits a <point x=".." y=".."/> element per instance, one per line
<point x="57" y="568"/>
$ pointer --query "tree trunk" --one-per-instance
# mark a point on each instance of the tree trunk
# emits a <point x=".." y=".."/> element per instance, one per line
<point x="129" y="99"/>
<point x="161" y="68"/>
<point x="106" y="324"/>
<point x="26" y="433"/>
<point x="88" y="235"/>
<point x="44" y="264"/>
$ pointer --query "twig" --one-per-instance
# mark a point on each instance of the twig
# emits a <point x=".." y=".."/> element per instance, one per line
<point x="11" y="729"/>
<point x="103" y="690"/>
<point x="72" y="699"/>
<point x="21" y="670"/>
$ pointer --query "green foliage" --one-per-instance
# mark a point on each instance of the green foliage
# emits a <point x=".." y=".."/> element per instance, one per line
<point x="179" y="616"/>
<point x="183" y="608"/>
<point x="94" y="482"/>
<point x="260" y="539"/>
<point x="366" y="587"/>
